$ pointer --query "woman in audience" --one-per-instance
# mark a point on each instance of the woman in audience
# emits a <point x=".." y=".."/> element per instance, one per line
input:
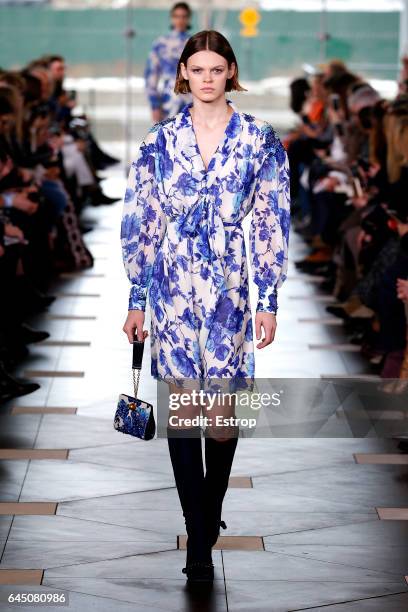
<point x="40" y="206"/>
<point x="356" y="183"/>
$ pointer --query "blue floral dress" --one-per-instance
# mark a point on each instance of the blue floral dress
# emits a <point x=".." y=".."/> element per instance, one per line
<point x="160" y="73"/>
<point x="183" y="243"/>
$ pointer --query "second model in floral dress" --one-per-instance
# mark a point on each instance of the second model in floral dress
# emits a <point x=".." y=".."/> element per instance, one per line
<point x="160" y="73"/>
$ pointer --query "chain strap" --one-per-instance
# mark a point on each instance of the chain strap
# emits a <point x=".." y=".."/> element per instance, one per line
<point x="136" y="378"/>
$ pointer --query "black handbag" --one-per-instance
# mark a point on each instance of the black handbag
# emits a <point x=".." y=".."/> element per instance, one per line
<point x="134" y="416"/>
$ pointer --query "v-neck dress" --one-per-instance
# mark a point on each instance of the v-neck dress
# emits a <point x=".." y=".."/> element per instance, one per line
<point x="183" y="243"/>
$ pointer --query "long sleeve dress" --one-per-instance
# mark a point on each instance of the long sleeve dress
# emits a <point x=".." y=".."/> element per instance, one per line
<point x="183" y="243"/>
<point x="160" y="73"/>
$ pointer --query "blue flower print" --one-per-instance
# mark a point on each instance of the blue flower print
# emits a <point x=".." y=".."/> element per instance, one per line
<point x="183" y="244"/>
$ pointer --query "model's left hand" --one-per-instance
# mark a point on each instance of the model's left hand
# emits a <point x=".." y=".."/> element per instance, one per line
<point x="266" y="320"/>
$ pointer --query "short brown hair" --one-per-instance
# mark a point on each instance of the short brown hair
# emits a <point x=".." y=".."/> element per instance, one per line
<point x="210" y="40"/>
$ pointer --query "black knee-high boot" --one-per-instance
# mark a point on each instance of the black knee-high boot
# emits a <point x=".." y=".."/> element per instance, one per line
<point x="186" y="458"/>
<point x="219" y="456"/>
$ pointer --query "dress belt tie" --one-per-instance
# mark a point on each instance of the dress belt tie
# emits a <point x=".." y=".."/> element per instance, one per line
<point x="203" y="218"/>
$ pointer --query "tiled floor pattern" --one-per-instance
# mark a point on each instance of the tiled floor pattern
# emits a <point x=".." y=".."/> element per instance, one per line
<point x="315" y="523"/>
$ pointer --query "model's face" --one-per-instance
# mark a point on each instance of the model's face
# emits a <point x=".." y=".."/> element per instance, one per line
<point x="180" y="19"/>
<point x="207" y="73"/>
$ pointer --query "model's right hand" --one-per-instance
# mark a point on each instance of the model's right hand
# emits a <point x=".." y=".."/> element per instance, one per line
<point x="134" y="325"/>
<point x="267" y="321"/>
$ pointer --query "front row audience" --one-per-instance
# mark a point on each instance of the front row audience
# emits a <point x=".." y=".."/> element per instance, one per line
<point x="349" y="185"/>
<point x="49" y="163"/>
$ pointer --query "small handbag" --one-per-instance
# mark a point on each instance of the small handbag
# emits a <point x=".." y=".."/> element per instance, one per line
<point x="134" y="416"/>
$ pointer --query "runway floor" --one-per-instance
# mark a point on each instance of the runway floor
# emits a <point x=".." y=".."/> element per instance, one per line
<point x="314" y="523"/>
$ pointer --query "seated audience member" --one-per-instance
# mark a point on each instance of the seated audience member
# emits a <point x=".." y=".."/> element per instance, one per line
<point x="349" y="160"/>
<point x="49" y="164"/>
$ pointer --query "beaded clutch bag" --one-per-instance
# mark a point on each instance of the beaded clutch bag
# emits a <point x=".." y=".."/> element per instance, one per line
<point x="134" y="416"/>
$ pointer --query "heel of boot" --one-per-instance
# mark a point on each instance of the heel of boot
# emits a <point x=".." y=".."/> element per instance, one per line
<point x="213" y="529"/>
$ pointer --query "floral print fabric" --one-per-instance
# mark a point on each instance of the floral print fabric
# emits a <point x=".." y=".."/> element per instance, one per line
<point x="183" y="243"/>
<point x="160" y="73"/>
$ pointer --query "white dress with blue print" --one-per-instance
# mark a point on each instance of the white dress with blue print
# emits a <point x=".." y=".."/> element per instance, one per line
<point x="183" y="243"/>
<point x="160" y="73"/>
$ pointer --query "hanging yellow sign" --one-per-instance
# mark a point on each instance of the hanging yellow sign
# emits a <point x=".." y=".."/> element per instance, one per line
<point x="249" y="17"/>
